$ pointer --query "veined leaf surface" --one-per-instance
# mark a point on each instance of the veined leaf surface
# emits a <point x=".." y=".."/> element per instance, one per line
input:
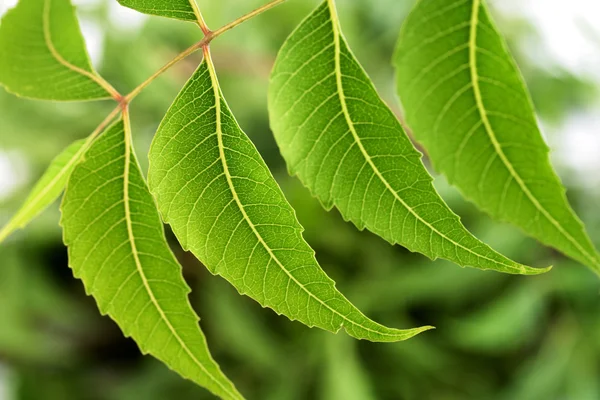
<point x="224" y="205"/>
<point x="43" y="55"/>
<point x="349" y="149"/>
<point x="118" y="249"/>
<point x="47" y="189"/>
<point x="178" y="9"/>
<point x="465" y="100"/>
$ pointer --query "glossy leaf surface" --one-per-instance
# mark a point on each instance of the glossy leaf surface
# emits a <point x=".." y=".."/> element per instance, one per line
<point x="349" y="149"/>
<point x="118" y="249"/>
<point x="465" y="100"/>
<point x="223" y="204"/>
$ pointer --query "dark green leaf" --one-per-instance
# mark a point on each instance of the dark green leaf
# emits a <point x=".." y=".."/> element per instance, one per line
<point x="465" y="100"/>
<point x="118" y="249"/>
<point x="223" y="204"/>
<point x="350" y="150"/>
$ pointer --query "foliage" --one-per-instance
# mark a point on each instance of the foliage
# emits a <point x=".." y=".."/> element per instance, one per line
<point x="267" y="224"/>
<point x="453" y="65"/>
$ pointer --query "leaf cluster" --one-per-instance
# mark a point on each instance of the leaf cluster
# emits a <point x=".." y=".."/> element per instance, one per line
<point x="464" y="100"/>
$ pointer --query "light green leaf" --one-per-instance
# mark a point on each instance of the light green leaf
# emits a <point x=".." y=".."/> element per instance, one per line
<point x="118" y="249"/>
<point x="349" y="149"/>
<point x="465" y="100"/>
<point x="223" y="204"/>
<point x="47" y="189"/>
<point x="43" y="56"/>
<point x="178" y="9"/>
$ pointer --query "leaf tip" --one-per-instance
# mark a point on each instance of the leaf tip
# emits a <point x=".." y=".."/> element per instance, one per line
<point x="414" y="332"/>
<point x="536" y="271"/>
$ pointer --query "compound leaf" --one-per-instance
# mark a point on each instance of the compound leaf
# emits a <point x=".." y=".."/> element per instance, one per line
<point x="43" y="55"/>
<point x="224" y="205"/>
<point x="117" y="248"/>
<point x="465" y="100"/>
<point x="349" y="149"/>
<point x="178" y="9"/>
<point x="47" y="189"/>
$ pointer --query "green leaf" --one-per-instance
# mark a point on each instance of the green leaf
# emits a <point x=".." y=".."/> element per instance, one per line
<point x="43" y="56"/>
<point x="118" y="249"/>
<point x="349" y="149"/>
<point x="216" y="192"/>
<point x="178" y="9"/>
<point x="466" y="102"/>
<point x="47" y="189"/>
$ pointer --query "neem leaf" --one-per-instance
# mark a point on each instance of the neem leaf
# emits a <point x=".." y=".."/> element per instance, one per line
<point x="465" y="100"/>
<point x="178" y="9"/>
<point x="47" y="189"/>
<point x="349" y="149"/>
<point x="224" y="205"/>
<point x="43" y="55"/>
<point x="118" y="249"/>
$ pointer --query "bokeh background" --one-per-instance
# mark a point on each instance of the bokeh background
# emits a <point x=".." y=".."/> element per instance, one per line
<point x="498" y="336"/>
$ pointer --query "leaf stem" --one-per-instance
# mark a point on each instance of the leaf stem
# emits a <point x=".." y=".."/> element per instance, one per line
<point x="100" y="128"/>
<point x="179" y="57"/>
<point x="199" y="19"/>
<point x="208" y="37"/>
<point x="246" y="17"/>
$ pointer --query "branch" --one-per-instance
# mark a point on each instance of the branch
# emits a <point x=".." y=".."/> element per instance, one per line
<point x="246" y="17"/>
<point x="208" y="37"/>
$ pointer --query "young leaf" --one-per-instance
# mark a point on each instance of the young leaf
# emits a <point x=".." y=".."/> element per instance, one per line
<point x="178" y="9"/>
<point x="223" y="204"/>
<point x="47" y="189"/>
<point x="118" y="249"/>
<point x="465" y="100"/>
<point x="349" y="149"/>
<point x="43" y="56"/>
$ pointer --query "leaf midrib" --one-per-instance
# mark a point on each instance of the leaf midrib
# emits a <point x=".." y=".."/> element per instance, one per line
<point x="245" y="215"/>
<point x="492" y="135"/>
<point x="138" y="264"/>
<point x="337" y="36"/>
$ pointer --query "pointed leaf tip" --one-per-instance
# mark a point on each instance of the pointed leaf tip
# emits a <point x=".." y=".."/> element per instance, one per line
<point x="349" y="149"/>
<point x="117" y="247"/>
<point x="466" y="102"/>
<point x="223" y="204"/>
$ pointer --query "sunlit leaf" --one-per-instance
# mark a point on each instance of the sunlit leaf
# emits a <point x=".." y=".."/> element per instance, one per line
<point x="178" y="9"/>
<point x="118" y="249"/>
<point x="47" y="189"/>
<point x="223" y="204"/>
<point x="349" y="149"/>
<point x="465" y="100"/>
<point x="43" y="56"/>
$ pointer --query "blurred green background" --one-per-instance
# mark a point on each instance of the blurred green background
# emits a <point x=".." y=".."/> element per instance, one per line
<point x="498" y="336"/>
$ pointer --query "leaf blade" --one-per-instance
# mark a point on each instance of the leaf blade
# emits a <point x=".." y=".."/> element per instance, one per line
<point x="223" y="204"/>
<point x="117" y="248"/>
<point x="177" y="9"/>
<point x="47" y="189"/>
<point x="349" y="149"/>
<point x="478" y="80"/>
<point x="43" y="55"/>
